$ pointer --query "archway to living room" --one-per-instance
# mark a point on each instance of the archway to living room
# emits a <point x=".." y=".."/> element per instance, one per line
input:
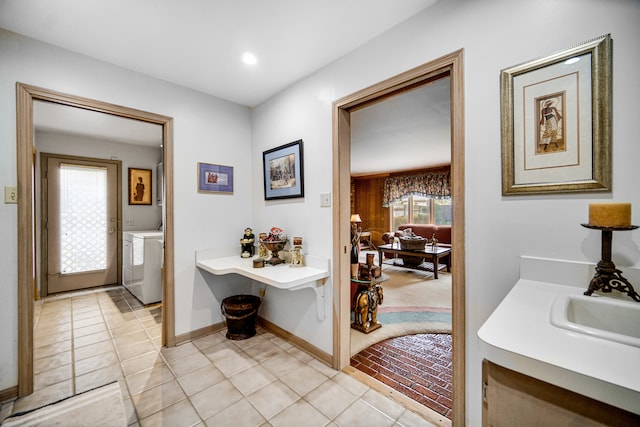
<point x="451" y="66"/>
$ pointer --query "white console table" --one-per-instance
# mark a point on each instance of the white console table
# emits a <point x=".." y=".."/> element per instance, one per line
<point x="283" y="276"/>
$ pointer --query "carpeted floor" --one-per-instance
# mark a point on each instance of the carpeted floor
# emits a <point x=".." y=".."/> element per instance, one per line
<point x="413" y="303"/>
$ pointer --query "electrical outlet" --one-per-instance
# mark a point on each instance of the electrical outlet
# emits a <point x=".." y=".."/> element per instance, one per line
<point x="325" y="200"/>
<point x="10" y="194"/>
<point x="128" y="221"/>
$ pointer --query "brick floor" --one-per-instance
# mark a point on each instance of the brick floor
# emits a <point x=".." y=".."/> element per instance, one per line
<point x="418" y="366"/>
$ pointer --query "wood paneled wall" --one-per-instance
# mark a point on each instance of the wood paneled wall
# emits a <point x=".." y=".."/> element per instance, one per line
<point x="366" y="200"/>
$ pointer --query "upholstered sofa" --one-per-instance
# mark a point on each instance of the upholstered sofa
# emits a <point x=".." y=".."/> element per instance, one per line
<point x="441" y="232"/>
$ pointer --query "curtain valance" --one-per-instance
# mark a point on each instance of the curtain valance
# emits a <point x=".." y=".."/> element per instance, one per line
<point x="435" y="185"/>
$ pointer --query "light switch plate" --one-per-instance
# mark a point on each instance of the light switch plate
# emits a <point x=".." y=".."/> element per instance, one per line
<point x="11" y="194"/>
<point x="325" y="200"/>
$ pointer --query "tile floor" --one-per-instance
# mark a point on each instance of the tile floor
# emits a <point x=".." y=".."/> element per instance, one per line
<point x="418" y="366"/>
<point x="87" y="339"/>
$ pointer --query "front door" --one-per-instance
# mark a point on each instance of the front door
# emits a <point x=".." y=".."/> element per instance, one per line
<point x="81" y="224"/>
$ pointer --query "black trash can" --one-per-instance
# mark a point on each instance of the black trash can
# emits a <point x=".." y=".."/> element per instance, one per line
<point x="241" y="312"/>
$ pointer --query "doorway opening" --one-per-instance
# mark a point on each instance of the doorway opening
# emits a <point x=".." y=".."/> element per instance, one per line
<point x="452" y="66"/>
<point x="400" y="167"/>
<point x="28" y="210"/>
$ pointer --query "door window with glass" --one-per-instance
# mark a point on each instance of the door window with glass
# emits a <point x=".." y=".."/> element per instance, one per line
<point x="82" y="223"/>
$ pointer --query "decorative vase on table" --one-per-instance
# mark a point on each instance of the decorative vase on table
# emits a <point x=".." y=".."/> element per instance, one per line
<point x="275" y="242"/>
<point x="354" y="261"/>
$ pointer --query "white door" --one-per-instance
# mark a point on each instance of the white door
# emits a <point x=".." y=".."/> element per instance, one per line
<point x="82" y="225"/>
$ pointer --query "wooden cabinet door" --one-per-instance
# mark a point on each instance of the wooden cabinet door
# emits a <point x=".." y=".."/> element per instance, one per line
<point x="514" y="399"/>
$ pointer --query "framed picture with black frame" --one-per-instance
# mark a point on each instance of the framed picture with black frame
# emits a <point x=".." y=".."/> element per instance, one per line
<point x="284" y="171"/>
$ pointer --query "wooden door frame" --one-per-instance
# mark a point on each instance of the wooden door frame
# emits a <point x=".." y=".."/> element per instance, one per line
<point x="44" y="215"/>
<point x="25" y="96"/>
<point x="451" y="64"/>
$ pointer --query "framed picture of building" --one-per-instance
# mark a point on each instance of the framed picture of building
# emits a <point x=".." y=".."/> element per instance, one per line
<point x="556" y="122"/>
<point x="283" y="171"/>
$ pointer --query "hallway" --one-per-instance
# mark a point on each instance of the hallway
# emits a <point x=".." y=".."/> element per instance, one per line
<point x="90" y="338"/>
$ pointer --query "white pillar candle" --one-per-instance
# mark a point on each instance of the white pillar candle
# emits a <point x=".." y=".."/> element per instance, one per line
<point x="610" y="214"/>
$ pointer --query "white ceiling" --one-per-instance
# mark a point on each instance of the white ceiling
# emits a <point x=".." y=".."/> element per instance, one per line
<point x="199" y="43"/>
<point x="408" y="131"/>
<point x="50" y="117"/>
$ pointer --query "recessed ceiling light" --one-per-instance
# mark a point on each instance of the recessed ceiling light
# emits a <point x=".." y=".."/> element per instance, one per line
<point x="572" y="60"/>
<point x="249" y="58"/>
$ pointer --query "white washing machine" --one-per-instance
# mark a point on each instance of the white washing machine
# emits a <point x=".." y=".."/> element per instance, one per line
<point x="142" y="258"/>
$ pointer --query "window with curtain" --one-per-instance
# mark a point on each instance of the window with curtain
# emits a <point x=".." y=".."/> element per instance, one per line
<point x="418" y="199"/>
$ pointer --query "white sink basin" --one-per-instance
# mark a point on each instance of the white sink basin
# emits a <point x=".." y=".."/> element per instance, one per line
<point x="602" y="317"/>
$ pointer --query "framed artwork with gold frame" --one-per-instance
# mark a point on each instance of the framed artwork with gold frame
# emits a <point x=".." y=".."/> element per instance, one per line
<point x="556" y="122"/>
<point x="140" y="191"/>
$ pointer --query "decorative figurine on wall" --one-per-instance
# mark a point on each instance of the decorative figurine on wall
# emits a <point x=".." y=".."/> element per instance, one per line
<point x="247" y="243"/>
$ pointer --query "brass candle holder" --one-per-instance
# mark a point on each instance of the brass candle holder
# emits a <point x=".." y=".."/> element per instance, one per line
<point x="608" y="277"/>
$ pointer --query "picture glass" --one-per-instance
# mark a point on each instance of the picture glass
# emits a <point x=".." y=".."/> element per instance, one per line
<point x="283" y="171"/>
<point x="556" y="122"/>
<point x="140" y="186"/>
<point x="215" y="178"/>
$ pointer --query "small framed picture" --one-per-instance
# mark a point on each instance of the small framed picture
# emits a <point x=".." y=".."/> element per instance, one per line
<point x="215" y="178"/>
<point x="140" y="186"/>
<point x="283" y="171"/>
<point x="556" y="122"/>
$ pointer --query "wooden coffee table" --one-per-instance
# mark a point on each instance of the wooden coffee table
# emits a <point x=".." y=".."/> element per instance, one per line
<point x="431" y="254"/>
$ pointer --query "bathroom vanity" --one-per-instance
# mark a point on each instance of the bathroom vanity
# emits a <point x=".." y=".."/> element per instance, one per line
<point x="142" y="264"/>
<point x="545" y="364"/>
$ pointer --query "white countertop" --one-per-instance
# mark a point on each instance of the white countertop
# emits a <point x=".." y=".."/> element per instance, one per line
<point x="281" y="276"/>
<point x="312" y="275"/>
<point x="518" y="335"/>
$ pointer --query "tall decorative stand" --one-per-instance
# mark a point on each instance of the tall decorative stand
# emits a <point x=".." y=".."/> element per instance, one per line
<point x="365" y="303"/>
<point x="608" y="277"/>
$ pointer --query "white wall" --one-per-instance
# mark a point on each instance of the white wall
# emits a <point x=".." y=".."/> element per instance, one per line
<point x="132" y="156"/>
<point x="206" y="129"/>
<point x="495" y="35"/>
